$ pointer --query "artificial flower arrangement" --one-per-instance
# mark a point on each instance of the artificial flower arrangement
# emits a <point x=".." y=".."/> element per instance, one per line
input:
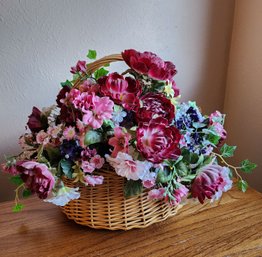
<point x="133" y="122"/>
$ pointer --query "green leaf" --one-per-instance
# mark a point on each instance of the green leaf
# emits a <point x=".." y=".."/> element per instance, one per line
<point x="91" y="54"/>
<point x="200" y="161"/>
<point x="133" y="188"/>
<point x="92" y="137"/>
<point x="182" y="169"/>
<point x="227" y="151"/>
<point x="163" y="176"/>
<point x="66" y="83"/>
<point x="188" y="178"/>
<point x="26" y="193"/>
<point x="247" y="166"/>
<point x="213" y="139"/>
<point x="16" y="180"/>
<point x="66" y="167"/>
<point x="53" y="154"/>
<point x="100" y="73"/>
<point x="242" y="185"/>
<point x="18" y="207"/>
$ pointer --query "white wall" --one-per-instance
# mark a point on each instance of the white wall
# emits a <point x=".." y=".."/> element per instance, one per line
<point x="243" y="103"/>
<point x="40" y="40"/>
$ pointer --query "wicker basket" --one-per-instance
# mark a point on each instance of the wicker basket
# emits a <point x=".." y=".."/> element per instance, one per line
<point x="104" y="206"/>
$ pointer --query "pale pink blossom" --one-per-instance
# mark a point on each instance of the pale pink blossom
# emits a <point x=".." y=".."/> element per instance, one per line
<point x="125" y="166"/>
<point x="42" y="138"/>
<point x="54" y="131"/>
<point x="93" y="180"/>
<point x="156" y="194"/>
<point x="69" y="133"/>
<point x="119" y="141"/>
<point x="87" y="167"/>
<point x="97" y="161"/>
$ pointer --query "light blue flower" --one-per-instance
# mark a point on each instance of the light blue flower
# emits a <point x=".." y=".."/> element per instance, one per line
<point x="64" y="195"/>
<point x="118" y="114"/>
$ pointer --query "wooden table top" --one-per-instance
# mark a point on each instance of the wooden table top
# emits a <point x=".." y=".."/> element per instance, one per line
<point x="231" y="227"/>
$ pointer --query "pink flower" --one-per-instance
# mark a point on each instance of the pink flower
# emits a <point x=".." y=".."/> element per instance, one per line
<point x="54" y="131"/>
<point x="80" y="67"/>
<point x="156" y="194"/>
<point x="158" y="141"/>
<point x="124" y="91"/>
<point x="89" y="86"/>
<point x="211" y="181"/>
<point x="150" y="64"/>
<point x="155" y="105"/>
<point x="87" y="167"/>
<point x="37" y="178"/>
<point x="102" y="108"/>
<point x="69" y="133"/>
<point x="120" y="141"/>
<point x="42" y="138"/>
<point x="125" y="166"/>
<point x="179" y="194"/>
<point x="97" y="161"/>
<point x="93" y="180"/>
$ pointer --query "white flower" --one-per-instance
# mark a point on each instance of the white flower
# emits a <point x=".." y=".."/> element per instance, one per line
<point x="64" y="196"/>
<point x="125" y="166"/>
<point x="118" y="114"/>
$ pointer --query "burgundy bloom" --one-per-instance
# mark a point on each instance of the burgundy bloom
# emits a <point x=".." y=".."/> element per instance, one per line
<point x="175" y="88"/>
<point x="80" y="67"/>
<point x="37" y="178"/>
<point x="62" y="95"/>
<point x="37" y="121"/>
<point x="150" y="64"/>
<point x="124" y="91"/>
<point x="155" y="105"/>
<point x="158" y="141"/>
<point x="211" y="181"/>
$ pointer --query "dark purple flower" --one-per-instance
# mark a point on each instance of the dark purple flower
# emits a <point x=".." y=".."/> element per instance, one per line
<point x="70" y="149"/>
<point x="62" y="95"/>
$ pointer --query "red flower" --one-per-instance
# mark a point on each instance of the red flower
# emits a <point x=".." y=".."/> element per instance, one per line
<point x="36" y="121"/>
<point x="158" y="141"/>
<point x="155" y="105"/>
<point x="37" y="178"/>
<point x="124" y="91"/>
<point x="150" y="64"/>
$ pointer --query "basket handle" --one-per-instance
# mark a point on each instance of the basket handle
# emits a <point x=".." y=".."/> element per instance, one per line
<point x="92" y="67"/>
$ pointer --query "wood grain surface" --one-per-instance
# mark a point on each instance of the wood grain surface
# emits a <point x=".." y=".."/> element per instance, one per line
<point x="231" y="227"/>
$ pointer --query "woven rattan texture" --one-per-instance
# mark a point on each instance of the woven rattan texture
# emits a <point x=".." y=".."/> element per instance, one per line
<point x="105" y="207"/>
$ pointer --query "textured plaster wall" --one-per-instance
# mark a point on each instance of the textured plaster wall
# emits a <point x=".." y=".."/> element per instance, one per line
<point x="40" y="40"/>
<point x="243" y="103"/>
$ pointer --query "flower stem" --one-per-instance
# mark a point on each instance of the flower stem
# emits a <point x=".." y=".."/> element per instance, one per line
<point x="17" y="192"/>
<point x="228" y="165"/>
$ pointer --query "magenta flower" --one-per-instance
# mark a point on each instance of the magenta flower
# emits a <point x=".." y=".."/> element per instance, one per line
<point x="35" y="120"/>
<point x="155" y="105"/>
<point x="179" y="194"/>
<point x="11" y="167"/>
<point x="158" y="141"/>
<point x="37" y="178"/>
<point x="69" y="133"/>
<point x="80" y="67"/>
<point x="124" y="91"/>
<point x="150" y="64"/>
<point x="87" y="167"/>
<point x="120" y="141"/>
<point x="211" y="181"/>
